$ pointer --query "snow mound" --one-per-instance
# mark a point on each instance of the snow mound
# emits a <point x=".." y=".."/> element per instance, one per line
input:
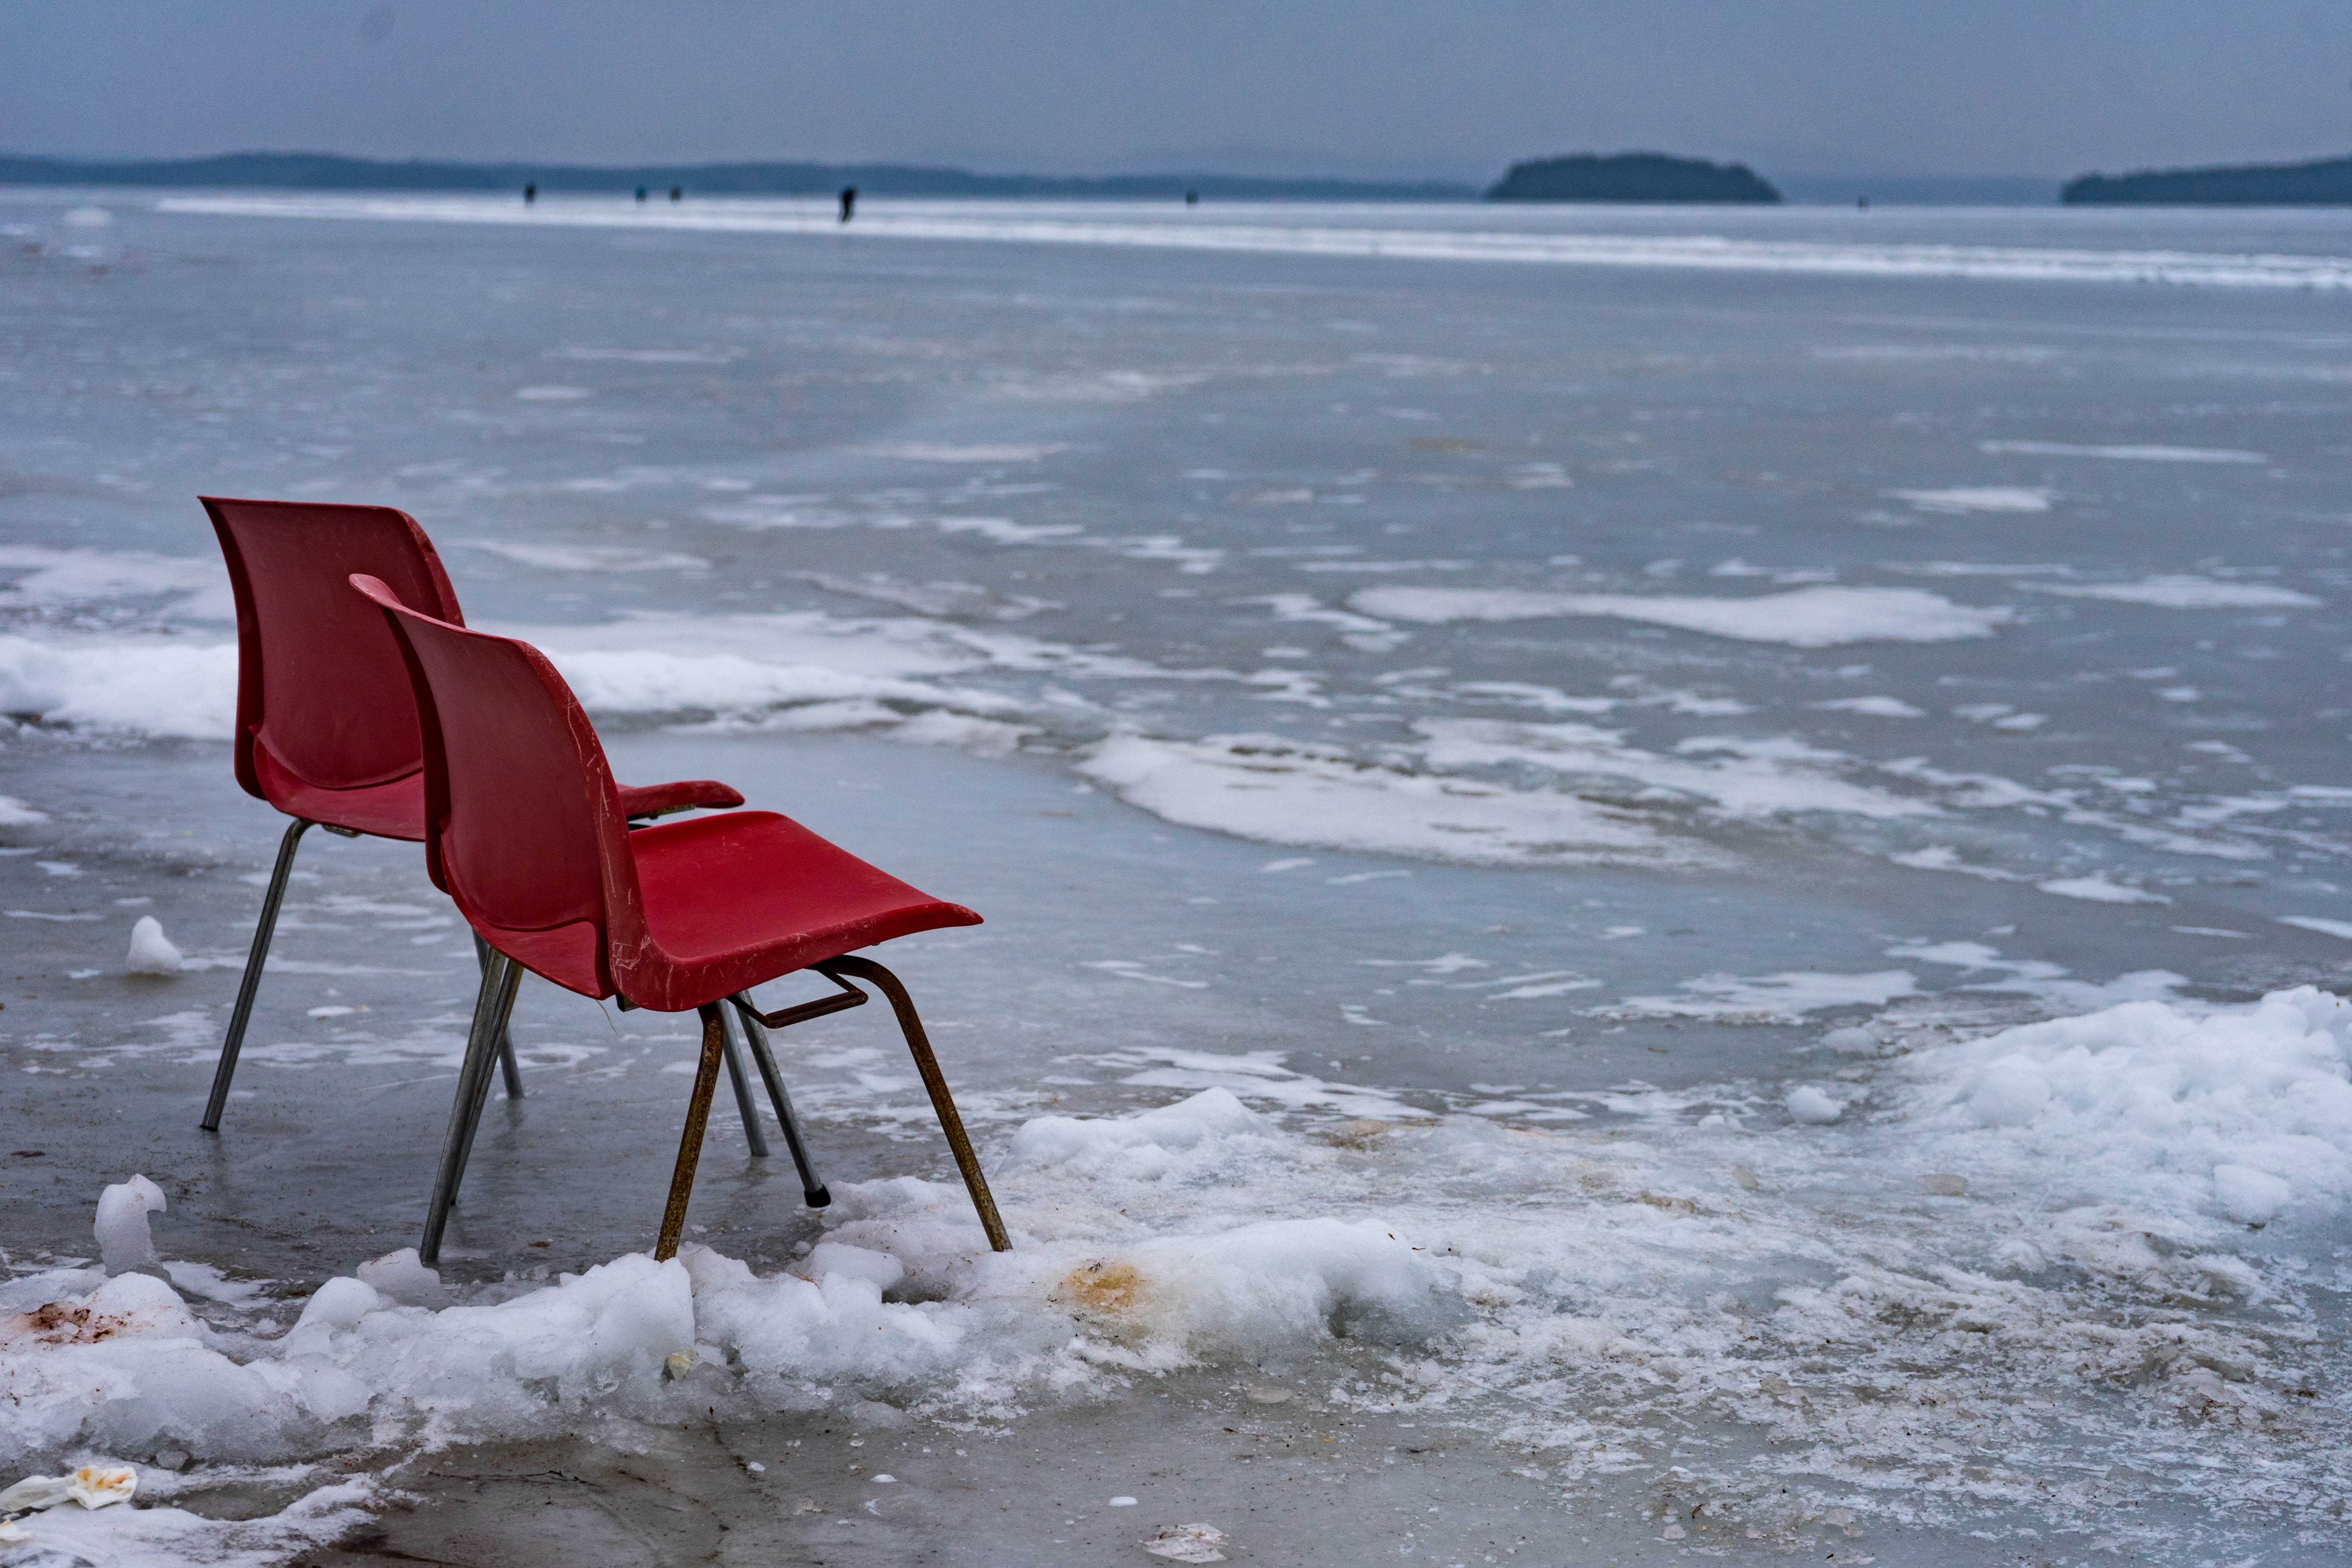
<point x="123" y="1242"/>
<point x="2242" y="1112"/>
<point x="902" y="1300"/>
<point x="152" y="953"/>
<point x="1149" y="1145"/>
<point x="1810" y="1105"/>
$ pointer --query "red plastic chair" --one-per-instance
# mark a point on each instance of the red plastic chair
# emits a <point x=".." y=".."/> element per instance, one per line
<point x="527" y="831"/>
<point x="326" y="719"/>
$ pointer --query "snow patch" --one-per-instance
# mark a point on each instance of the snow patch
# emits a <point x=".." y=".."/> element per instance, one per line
<point x="1806" y="618"/>
<point x="1978" y="499"/>
<point x="2185" y="593"/>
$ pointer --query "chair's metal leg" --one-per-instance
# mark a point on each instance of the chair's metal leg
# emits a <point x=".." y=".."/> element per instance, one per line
<point x="753" y="1134"/>
<point x="690" y="1143"/>
<point x="813" y="1190"/>
<point x="911" y="1026"/>
<point x="506" y="974"/>
<point x="490" y="1003"/>
<point x="243" y="1014"/>
<point x="507" y="1065"/>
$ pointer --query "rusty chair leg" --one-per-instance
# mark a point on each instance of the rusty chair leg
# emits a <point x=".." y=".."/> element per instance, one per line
<point x="911" y="1026"/>
<point x="697" y="1118"/>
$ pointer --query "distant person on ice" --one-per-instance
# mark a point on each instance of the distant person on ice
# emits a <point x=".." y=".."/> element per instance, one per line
<point x="848" y="201"/>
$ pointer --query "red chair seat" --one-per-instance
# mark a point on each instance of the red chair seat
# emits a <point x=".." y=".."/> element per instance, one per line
<point x="734" y="901"/>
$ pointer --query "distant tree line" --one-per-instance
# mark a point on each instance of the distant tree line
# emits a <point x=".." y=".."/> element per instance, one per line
<point x="2326" y="182"/>
<point x="329" y="172"/>
<point x="1579" y="177"/>
<point x="1630" y="177"/>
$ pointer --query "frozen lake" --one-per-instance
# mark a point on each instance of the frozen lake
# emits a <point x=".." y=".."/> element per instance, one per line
<point x="1564" y="800"/>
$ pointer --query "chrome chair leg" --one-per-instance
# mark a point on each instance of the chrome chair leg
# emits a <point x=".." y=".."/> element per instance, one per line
<point x="690" y="1143"/>
<point x="505" y="1004"/>
<point x="507" y="1065"/>
<point x="811" y="1190"/>
<point x="753" y="1134"/>
<point x="975" y="1181"/>
<point x="491" y="1004"/>
<point x="243" y="1014"/>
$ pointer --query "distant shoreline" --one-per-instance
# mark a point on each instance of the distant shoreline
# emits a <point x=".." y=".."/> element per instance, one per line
<point x="2323" y="182"/>
<point x="331" y="171"/>
<point x="2319" y="183"/>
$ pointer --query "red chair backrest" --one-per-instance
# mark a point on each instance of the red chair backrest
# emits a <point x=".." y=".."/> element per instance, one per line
<point x="523" y="824"/>
<point x="321" y="686"/>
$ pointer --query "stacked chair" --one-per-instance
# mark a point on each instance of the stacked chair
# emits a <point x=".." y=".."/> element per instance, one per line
<point x="366" y="706"/>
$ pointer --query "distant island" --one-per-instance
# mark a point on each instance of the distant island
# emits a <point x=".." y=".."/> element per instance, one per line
<point x="2325" y="182"/>
<point x="330" y="172"/>
<point x="1630" y="177"/>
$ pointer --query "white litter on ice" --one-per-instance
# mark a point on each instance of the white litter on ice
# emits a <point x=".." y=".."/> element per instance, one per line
<point x="1188" y="1544"/>
<point x="92" y="1485"/>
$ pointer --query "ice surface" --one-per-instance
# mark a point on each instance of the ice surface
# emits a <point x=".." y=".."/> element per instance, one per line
<point x="124" y="1243"/>
<point x="152" y="953"/>
<point x="1155" y="227"/>
<point x="1985" y="1294"/>
<point x="1807" y="617"/>
<point x="1768" y="998"/>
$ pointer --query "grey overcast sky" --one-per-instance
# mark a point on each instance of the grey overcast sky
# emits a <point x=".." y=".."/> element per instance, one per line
<point x="1453" y="87"/>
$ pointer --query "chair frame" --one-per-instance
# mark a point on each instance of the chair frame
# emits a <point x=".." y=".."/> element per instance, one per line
<point x="633" y="959"/>
<point x="496" y="1001"/>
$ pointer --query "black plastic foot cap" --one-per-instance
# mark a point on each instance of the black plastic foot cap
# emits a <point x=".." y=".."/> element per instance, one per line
<point x="817" y="1197"/>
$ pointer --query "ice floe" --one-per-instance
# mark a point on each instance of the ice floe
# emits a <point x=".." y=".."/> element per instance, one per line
<point x="1281" y="791"/>
<point x="1979" y="497"/>
<point x="2185" y="593"/>
<point x="1806" y="618"/>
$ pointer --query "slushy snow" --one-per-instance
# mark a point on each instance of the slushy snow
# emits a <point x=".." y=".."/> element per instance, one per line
<point x="2055" y="1268"/>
